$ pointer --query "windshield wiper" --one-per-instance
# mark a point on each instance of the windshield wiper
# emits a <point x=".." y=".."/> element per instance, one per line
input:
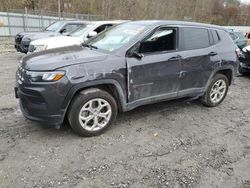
<point x="90" y="46"/>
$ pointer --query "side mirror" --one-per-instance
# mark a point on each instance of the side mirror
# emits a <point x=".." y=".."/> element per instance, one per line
<point x="135" y="51"/>
<point x="91" y="34"/>
<point x="62" y="31"/>
<point x="135" y="54"/>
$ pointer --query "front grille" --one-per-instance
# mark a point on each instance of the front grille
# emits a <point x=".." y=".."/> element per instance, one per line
<point x="18" y="39"/>
<point x="247" y="56"/>
<point x="20" y="73"/>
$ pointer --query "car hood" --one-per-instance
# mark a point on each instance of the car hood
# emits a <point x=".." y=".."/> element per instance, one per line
<point x="33" y="35"/>
<point x="61" y="57"/>
<point x="58" y="41"/>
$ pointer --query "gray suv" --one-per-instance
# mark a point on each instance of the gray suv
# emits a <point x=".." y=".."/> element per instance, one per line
<point x="131" y="65"/>
<point x="23" y="39"/>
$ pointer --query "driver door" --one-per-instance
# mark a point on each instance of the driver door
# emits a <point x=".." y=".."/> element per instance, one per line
<point x="156" y="75"/>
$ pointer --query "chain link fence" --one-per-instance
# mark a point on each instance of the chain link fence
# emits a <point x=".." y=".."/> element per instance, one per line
<point x="17" y="20"/>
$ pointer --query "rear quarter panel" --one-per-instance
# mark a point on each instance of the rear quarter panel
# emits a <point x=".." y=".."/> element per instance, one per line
<point x="226" y="51"/>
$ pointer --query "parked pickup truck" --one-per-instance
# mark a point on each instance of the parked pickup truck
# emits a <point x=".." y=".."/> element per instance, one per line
<point x="23" y="39"/>
<point x="130" y="65"/>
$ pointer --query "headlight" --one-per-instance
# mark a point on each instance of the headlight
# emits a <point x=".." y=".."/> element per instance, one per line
<point x="45" y="76"/>
<point x="38" y="48"/>
<point x="26" y="39"/>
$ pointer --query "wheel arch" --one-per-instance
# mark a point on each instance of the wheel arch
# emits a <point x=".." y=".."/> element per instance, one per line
<point x="227" y="71"/>
<point x="111" y="86"/>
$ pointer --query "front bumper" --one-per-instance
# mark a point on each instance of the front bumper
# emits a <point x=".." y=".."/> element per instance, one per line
<point x="42" y="102"/>
<point x="245" y="66"/>
<point x="23" y="46"/>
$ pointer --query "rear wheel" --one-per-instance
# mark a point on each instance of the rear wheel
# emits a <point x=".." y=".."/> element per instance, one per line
<point x="216" y="91"/>
<point x="92" y="112"/>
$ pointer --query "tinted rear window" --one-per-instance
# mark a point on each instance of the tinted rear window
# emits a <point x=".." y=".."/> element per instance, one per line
<point x="195" y="38"/>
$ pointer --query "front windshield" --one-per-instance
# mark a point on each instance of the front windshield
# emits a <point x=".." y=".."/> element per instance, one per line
<point x="113" y="39"/>
<point x="80" y="31"/>
<point x="54" y="27"/>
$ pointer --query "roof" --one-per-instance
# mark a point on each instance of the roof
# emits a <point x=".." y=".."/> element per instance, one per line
<point x="245" y="29"/>
<point x="73" y="21"/>
<point x="175" y="22"/>
<point x="109" y="22"/>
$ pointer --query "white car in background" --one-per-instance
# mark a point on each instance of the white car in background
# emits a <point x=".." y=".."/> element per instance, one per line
<point x="77" y="37"/>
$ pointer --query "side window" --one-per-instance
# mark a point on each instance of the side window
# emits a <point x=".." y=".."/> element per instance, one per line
<point x="102" y="28"/>
<point x="71" y="27"/>
<point x="215" y="36"/>
<point x="195" y="38"/>
<point x="164" y="39"/>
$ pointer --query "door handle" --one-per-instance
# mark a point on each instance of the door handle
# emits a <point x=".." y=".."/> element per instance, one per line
<point x="213" y="53"/>
<point x="175" y="58"/>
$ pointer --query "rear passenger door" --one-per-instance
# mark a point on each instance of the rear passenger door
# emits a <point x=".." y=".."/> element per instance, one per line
<point x="199" y="57"/>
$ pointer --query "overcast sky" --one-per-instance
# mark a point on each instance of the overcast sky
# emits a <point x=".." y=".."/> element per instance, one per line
<point x="245" y="1"/>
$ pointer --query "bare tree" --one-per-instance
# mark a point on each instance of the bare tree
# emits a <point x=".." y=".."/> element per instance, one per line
<point x="221" y="12"/>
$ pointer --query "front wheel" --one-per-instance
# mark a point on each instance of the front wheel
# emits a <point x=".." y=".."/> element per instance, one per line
<point x="92" y="112"/>
<point x="216" y="91"/>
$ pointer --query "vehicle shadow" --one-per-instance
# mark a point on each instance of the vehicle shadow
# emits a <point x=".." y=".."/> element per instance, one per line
<point x="166" y="107"/>
<point x="243" y="76"/>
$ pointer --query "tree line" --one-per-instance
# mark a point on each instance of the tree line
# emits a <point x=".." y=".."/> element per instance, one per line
<point x="222" y="12"/>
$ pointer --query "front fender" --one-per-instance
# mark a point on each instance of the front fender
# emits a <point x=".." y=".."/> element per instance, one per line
<point x="95" y="83"/>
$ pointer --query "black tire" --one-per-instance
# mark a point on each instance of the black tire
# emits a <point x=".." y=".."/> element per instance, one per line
<point x="83" y="98"/>
<point x="206" y="98"/>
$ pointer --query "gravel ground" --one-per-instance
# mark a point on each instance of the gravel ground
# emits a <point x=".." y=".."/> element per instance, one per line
<point x="172" y="144"/>
<point x="6" y="45"/>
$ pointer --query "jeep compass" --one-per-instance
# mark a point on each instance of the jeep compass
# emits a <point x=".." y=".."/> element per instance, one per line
<point x="131" y="65"/>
